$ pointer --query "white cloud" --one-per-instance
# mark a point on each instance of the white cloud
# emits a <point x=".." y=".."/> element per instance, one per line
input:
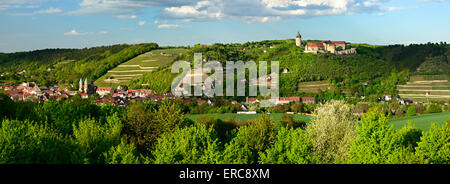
<point x="247" y="10"/>
<point x="141" y="23"/>
<point x="76" y="33"/>
<point x="126" y="16"/>
<point x="73" y="32"/>
<point x="49" y="11"/>
<point x="15" y="4"/>
<point x="169" y="26"/>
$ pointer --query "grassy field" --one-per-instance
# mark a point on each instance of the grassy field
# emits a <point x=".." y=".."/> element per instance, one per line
<point x="245" y="117"/>
<point x="423" y="121"/>
<point x="136" y="67"/>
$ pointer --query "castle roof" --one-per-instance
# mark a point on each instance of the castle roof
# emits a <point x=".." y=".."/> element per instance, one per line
<point x="338" y="42"/>
<point x="314" y="44"/>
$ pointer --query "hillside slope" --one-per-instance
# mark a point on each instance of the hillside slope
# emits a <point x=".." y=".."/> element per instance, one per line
<point x="138" y="66"/>
<point x="59" y="66"/>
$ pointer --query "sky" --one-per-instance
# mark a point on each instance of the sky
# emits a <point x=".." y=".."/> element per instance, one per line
<point x="39" y="24"/>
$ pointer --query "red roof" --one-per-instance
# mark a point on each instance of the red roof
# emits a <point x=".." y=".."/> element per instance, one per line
<point x="314" y="44"/>
<point x="338" y="42"/>
<point x="199" y="101"/>
<point x="250" y="99"/>
<point x="306" y="99"/>
<point x="294" y="98"/>
<point x="104" y="88"/>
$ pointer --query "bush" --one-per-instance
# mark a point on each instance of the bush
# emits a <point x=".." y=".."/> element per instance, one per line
<point x="411" y="111"/>
<point x="433" y="108"/>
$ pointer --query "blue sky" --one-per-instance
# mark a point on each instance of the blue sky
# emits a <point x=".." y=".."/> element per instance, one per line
<point x="39" y="24"/>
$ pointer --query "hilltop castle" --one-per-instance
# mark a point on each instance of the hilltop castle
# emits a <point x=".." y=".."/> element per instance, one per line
<point x="335" y="47"/>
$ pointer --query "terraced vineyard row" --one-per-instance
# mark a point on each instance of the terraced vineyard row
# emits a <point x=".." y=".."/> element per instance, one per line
<point x="426" y="88"/>
<point x="136" y="67"/>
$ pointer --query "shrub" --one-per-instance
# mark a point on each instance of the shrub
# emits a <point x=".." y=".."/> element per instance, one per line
<point x="411" y="110"/>
<point x="433" y="108"/>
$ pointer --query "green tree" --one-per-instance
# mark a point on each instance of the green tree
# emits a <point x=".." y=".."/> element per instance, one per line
<point x="292" y="146"/>
<point x="25" y="142"/>
<point x="332" y="129"/>
<point x="93" y="138"/>
<point x="122" y="154"/>
<point x="434" y="147"/>
<point x="251" y="139"/>
<point x="374" y="141"/>
<point x="190" y="145"/>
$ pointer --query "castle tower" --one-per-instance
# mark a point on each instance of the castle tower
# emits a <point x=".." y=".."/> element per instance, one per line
<point x="85" y="85"/>
<point x="80" y="86"/>
<point x="298" y="40"/>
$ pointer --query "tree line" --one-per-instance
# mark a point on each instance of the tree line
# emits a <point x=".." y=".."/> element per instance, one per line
<point x="75" y="131"/>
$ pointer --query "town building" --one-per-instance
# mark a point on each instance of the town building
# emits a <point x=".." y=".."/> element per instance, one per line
<point x="308" y="100"/>
<point x="86" y="87"/>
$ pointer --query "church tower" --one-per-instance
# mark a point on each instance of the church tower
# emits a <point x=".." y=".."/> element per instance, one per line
<point x="298" y="40"/>
<point x="85" y="85"/>
<point x="80" y="86"/>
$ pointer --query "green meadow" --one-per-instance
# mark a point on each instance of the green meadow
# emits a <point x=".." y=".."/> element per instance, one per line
<point x="245" y="117"/>
<point x="422" y="121"/>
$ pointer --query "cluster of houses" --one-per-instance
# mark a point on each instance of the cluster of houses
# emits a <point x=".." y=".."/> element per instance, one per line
<point x="32" y="92"/>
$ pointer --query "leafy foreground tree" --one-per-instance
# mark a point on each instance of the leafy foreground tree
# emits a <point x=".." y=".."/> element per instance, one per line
<point x="434" y="147"/>
<point x="373" y="143"/>
<point x="251" y="139"/>
<point x="377" y="143"/>
<point x="143" y="126"/>
<point x="332" y="130"/>
<point x="122" y="154"/>
<point x="93" y="138"/>
<point x="292" y="146"/>
<point x="25" y="142"/>
<point x="191" y="145"/>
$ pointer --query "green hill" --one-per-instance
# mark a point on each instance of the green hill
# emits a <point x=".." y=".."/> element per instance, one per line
<point x="374" y="71"/>
<point x="59" y="66"/>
